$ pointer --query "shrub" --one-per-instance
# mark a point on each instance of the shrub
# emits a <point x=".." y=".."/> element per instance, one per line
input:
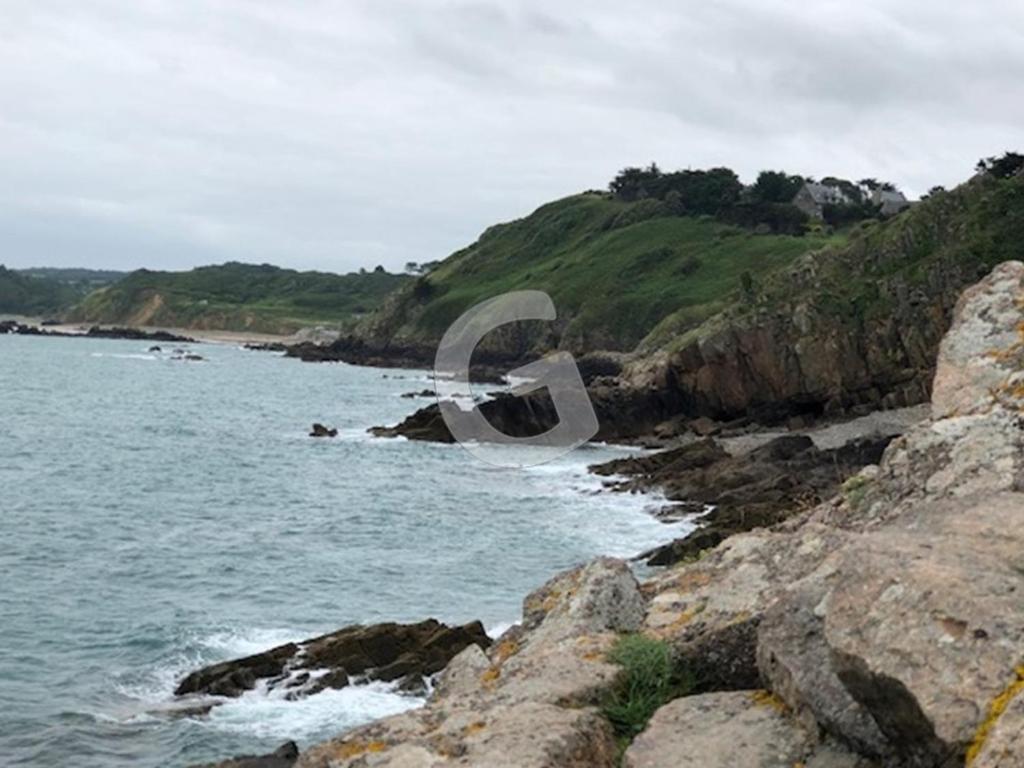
<point x="649" y="679"/>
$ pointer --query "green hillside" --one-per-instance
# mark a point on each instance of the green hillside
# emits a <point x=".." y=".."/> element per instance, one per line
<point x="235" y="296"/>
<point x="614" y="269"/>
<point x="30" y="292"/>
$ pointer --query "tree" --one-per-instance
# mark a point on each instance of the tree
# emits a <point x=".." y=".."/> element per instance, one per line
<point x="412" y="267"/>
<point x="776" y="187"/>
<point x="1006" y="166"/>
<point x="632" y="184"/>
<point x="870" y="184"/>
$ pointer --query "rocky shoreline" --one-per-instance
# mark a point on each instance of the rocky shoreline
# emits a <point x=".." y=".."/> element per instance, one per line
<point x="877" y="626"/>
<point x="13" y="327"/>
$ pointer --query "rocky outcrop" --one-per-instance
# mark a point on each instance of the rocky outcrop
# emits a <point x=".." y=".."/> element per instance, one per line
<point x="528" y="702"/>
<point x="282" y="757"/>
<point x="96" y="332"/>
<point x="403" y="653"/>
<point x="319" y="430"/>
<point x="891" y="616"/>
<point x="754" y="489"/>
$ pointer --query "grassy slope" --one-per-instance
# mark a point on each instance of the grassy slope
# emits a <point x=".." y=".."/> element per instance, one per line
<point x="237" y="297"/>
<point x="613" y="276"/>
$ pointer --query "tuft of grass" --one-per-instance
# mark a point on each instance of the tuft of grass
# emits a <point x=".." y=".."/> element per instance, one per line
<point x="650" y="678"/>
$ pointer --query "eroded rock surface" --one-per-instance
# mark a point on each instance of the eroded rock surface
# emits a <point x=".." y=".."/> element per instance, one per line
<point x="529" y="702"/>
<point x="721" y="730"/>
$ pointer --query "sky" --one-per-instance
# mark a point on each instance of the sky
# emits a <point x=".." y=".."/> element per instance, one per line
<point x="341" y="134"/>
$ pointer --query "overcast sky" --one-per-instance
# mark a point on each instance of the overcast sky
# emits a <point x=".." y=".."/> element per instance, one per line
<point x="335" y="135"/>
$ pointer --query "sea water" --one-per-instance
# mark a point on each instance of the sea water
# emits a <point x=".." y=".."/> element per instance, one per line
<point x="157" y="515"/>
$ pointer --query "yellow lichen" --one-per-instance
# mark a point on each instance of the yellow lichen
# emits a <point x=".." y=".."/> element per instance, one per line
<point x="995" y="711"/>
<point x="472" y="728"/>
<point x="491" y="676"/>
<point x="357" y="748"/>
<point x="505" y="650"/>
<point x="769" y="699"/>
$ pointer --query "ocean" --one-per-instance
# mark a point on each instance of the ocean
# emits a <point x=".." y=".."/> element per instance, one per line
<point x="158" y="515"/>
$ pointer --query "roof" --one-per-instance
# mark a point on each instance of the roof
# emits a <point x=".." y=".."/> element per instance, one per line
<point x="826" y="193"/>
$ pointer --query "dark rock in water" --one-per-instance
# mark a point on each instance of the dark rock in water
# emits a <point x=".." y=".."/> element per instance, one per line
<point x="757" y="489"/>
<point x="421" y="393"/>
<point x="189" y="357"/>
<point x="131" y="334"/>
<point x="136" y="334"/>
<point x="319" y="430"/>
<point x="273" y="346"/>
<point x="282" y="757"/>
<point x="155" y="349"/>
<point x="403" y="653"/>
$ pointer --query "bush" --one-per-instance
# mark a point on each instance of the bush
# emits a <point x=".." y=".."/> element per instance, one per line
<point x="649" y="679"/>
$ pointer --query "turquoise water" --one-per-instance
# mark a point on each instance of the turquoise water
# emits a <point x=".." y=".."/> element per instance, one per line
<point x="158" y="515"/>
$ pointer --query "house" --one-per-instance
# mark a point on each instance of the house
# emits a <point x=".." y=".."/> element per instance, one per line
<point x="892" y="201"/>
<point x="813" y="197"/>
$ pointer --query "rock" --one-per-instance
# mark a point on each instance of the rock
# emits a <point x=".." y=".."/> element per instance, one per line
<point x="721" y="730"/>
<point x="756" y="489"/>
<point x="282" y="757"/>
<point x="388" y="652"/>
<point x="421" y="393"/>
<point x="529" y="702"/>
<point x="985" y="346"/>
<point x="319" y="430"/>
<point x="524" y="735"/>
<point x="155" y="349"/>
<point x="272" y="346"/>
<point x="601" y="596"/>
<point x="705" y="427"/>
<point x="912" y="628"/>
<point x="709" y="611"/>
<point x="999" y="743"/>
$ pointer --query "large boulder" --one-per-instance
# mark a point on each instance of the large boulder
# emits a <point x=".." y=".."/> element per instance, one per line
<point x="721" y="730"/>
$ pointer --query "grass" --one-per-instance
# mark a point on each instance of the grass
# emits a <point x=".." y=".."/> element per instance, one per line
<point x="613" y="276"/>
<point x="40" y="292"/>
<point x="237" y="296"/>
<point x="649" y="679"/>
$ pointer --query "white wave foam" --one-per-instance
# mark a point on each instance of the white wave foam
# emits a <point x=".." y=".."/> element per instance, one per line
<point x="270" y="715"/>
<point x="239" y="643"/>
<point x="497" y="630"/>
<point x="123" y="356"/>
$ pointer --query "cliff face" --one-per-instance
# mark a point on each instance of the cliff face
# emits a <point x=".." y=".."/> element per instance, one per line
<point x="848" y="329"/>
<point x="840" y="331"/>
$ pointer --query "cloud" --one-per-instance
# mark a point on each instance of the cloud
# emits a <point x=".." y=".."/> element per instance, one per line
<point x="335" y="135"/>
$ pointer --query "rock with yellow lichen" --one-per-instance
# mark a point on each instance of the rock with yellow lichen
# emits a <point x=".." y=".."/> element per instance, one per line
<point x="530" y="701"/>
